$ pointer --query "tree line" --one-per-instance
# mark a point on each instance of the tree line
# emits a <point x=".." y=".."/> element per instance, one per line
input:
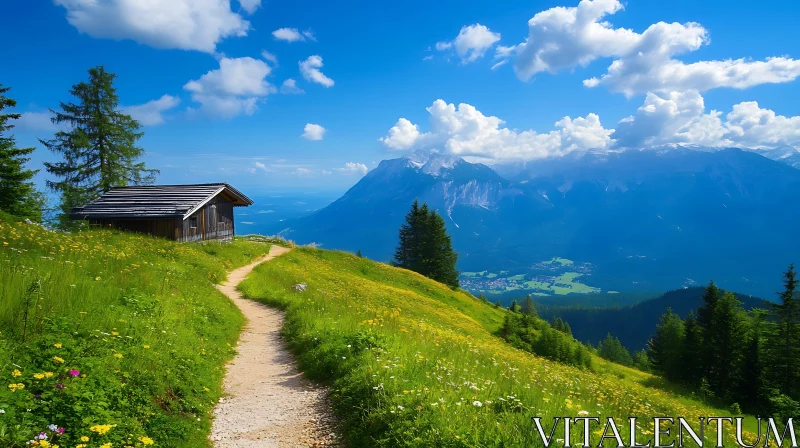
<point x="747" y="360"/>
<point x="96" y="145"/>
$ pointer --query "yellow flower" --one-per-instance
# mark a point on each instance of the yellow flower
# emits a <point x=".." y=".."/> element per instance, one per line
<point x="84" y="439"/>
<point x="44" y="444"/>
<point x="58" y="359"/>
<point x="38" y="376"/>
<point x="80" y="445"/>
<point x="114" y="333"/>
<point x="16" y="387"/>
<point x="57" y="345"/>
<point x="101" y="429"/>
<point x="146" y="440"/>
<point x="106" y="445"/>
<point x="48" y="374"/>
<point x="16" y="373"/>
<point x="118" y="355"/>
<point x="146" y="346"/>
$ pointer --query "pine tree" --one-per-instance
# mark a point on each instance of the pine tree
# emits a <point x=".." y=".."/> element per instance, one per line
<point x="728" y="322"/>
<point x="705" y="313"/>
<point x="425" y="246"/>
<point x="752" y="390"/>
<point x="611" y="349"/>
<point x="692" y="352"/>
<point x="640" y="361"/>
<point x="528" y="306"/>
<point x="99" y="150"/>
<point x="785" y="344"/>
<point x="664" y="349"/>
<point x="18" y="195"/>
<point x="515" y="307"/>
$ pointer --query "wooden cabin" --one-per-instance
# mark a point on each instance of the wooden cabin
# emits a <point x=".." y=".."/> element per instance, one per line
<point x="176" y="212"/>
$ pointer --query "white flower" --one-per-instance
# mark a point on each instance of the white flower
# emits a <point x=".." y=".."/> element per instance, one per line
<point x="477" y="403"/>
<point x="400" y="407"/>
<point x="52" y="427"/>
<point x="583" y="413"/>
<point x="2" y="411"/>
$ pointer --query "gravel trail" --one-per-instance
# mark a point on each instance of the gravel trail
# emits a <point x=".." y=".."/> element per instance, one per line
<point x="267" y="402"/>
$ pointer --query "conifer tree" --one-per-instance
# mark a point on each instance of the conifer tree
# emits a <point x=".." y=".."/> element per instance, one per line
<point x="753" y="387"/>
<point x="785" y="344"/>
<point x="425" y="246"/>
<point x="705" y="313"/>
<point x="515" y="307"/>
<point x="640" y="361"/>
<point x="99" y="149"/>
<point x="18" y="195"/>
<point x="528" y="306"/>
<point x="729" y="327"/>
<point x="665" y="348"/>
<point x="692" y="352"/>
<point x="611" y="349"/>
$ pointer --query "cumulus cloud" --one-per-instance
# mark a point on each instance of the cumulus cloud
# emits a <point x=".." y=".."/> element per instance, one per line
<point x="293" y="35"/>
<point x="680" y="117"/>
<point x="310" y="71"/>
<point x="472" y="42"/>
<point x="151" y="113"/>
<point x="353" y="168"/>
<point x="313" y="132"/>
<point x="233" y="89"/>
<point x="182" y="24"/>
<point x="289" y="87"/>
<point x="562" y="38"/>
<point x="465" y="131"/>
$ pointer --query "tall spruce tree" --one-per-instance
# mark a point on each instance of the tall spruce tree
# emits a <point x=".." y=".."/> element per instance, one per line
<point x="425" y="246"/>
<point x="99" y="148"/>
<point x="664" y="349"/>
<point x="752" y="391"/>
<point x="785" y="343"/>
<point x="692" y="352"/>
<point x="528" y="306"/>
<point x="18" y="195"/>
<point x="705" y="314"/>
<point x="728" y="322"/>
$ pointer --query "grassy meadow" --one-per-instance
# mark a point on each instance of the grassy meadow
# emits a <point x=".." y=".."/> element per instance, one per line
<point x="110" y="339"/>
<point x="412" y="363"/>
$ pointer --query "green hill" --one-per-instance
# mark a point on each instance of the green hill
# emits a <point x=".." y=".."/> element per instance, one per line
<point x="102" y="328"/>
<point x="412" y="363"/>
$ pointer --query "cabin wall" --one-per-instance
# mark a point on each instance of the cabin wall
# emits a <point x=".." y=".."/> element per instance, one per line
<point x="213" y="221"/>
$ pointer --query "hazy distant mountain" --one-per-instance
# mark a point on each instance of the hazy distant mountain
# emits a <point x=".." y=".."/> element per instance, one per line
<point x="646" y="219"/>
<point x="785" y="154"/>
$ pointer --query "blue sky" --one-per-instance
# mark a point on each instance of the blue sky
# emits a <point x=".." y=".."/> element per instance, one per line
<point x="227" y="115"/>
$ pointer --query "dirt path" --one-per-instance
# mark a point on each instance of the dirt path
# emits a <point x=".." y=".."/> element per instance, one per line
<point x="268" y="403"/>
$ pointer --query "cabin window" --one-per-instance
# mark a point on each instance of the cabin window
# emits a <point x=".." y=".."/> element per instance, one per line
<point x="193" y="222"/>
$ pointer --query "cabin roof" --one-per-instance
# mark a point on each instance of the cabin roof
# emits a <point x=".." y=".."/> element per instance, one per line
<point x="156" y="201"/>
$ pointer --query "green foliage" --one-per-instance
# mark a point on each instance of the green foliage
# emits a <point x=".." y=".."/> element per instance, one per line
<point x="108" y="328"/>
<point x="99" y="150"/>
<point x="425" y="246"/>
<point x="562" y="326"/>
<point x="641" y="361"/>
<point x="18" y="195"/>
<point x="784" y="345"/>
<point x="528" y="306"/>
<point x="666" y="347"/>
<point x="611" y="349"/>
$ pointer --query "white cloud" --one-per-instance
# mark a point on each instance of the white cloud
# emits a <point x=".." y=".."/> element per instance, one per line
<point x="261" y="166"/>
<point x="313" y="132"/>
<point x="151" y="113"/>
<point x="465" y="131"/>
<point x="289" y="86"/>
<point x="250" y="6"/>
<point x="35" y="121"/>
<point x="563" y="38"/>
<point x="353" y="168"/>
<point x="680" y="117"/>
<point x="472" y="42"/>
<point x="233" y="89"/>
<point x="310" y="35"/>
<point x="267" y="56"/>
<point x="291" y="35"/>
<point x="182" y="24"/>
<point x="310" y="70"/>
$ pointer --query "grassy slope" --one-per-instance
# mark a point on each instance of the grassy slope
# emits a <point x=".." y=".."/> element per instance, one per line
<point x="412" y="363"/>
<point x="138" y="317"/>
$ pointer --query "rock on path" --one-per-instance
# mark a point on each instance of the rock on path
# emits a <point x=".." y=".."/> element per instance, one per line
<point x="267" y="401"/>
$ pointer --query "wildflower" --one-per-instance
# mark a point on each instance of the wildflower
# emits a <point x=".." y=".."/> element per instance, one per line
<point x="2" y="411"/>
<point x="52" y="427"/>
<point x="44" y="444"/>
<point x="400" y="407"/>
<point x="16" y="373"/>
<point x="118" y="355"/>
<point x="146" y="346"/>
<point x="57" y="345"/>
<point x="583" y="413"/>
<point x="477" y="404"/>
<point x="58" y="359"/>
<point x="74" y="372"/>
<point x="106" y="445"/>
<point x="146" y="440"/>
<point x="60" y="386"/>
<point x="101" y="429"/>
<point x="48" y="374"/>
<point x="16" y="387"/>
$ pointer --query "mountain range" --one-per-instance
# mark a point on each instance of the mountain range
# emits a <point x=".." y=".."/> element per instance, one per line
<point x="643" y="220"/>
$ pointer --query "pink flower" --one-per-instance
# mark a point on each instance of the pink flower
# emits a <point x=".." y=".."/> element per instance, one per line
<point x="74" y="372"/>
